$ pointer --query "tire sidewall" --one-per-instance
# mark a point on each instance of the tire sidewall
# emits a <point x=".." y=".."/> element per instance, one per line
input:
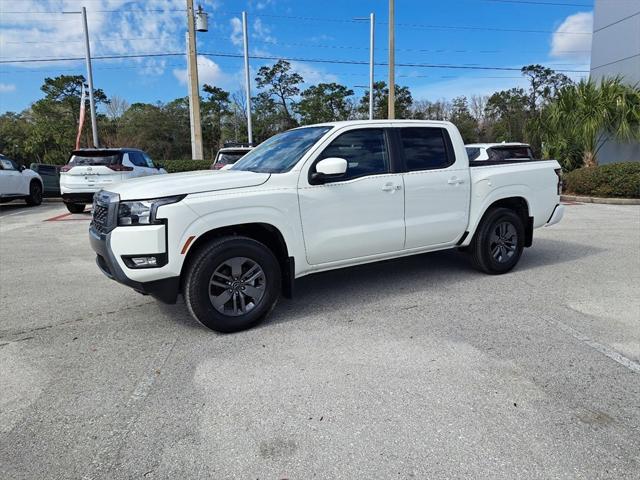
<point x="35" y="194"/>
<point x="498" y="216"/>
<point x="203" y="267"/>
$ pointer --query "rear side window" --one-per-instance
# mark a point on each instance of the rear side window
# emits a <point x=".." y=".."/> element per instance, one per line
<point x="498" y="154"/>
<point x="425" y="148"/>
<point x="137" y="159"/>
<point x="97" y="158"/>
<point x="47" y="169"/>
<point x="365" y="151"/>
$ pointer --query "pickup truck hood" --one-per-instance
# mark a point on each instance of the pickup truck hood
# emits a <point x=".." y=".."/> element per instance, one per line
<point x="157" y="186"/>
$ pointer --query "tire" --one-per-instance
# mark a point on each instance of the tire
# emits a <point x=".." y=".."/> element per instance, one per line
<point x="241" y="301"/>
<point x="75" y="207"/>
<point x="498" y="244"/>
<point x="35" y="194"/>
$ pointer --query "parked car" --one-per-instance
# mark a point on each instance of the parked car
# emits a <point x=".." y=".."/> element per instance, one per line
<point x="89" y="170"/>
<point x="229" y="155"/>
<point x="498" y="152"/>
<point x="18" y="182"/>
<point x="311" y="199"/>
<point x="50" y="175"/>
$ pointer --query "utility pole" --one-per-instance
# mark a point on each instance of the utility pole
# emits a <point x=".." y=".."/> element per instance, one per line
<point x="392" y="60"/>
<point x="194" y="88"/>
<point x="372" y="19"/>
<point x="87" y="54"/>
<point x="247" y="80"/>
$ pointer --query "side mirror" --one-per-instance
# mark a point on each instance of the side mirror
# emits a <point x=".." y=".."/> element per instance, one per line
<point x="329" y="168"/>
<point x="22" y="168"/>
<point x="159" y="167"/>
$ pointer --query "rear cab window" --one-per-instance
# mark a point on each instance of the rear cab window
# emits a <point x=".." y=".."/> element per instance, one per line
<point x="499" y="154"/>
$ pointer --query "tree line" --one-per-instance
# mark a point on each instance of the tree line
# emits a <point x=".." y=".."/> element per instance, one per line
<point x="537" y="114"/>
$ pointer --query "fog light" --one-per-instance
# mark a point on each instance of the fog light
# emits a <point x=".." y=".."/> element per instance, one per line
<point x="144" y="261"/>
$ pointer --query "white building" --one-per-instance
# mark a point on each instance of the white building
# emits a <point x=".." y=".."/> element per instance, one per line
<point x="615" y="50"/>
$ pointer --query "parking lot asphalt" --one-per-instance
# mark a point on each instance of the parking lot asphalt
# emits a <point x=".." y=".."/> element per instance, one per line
<point x="413" y="368"/>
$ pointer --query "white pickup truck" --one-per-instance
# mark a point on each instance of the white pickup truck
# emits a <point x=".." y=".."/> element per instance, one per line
<point x="311" y="199"/>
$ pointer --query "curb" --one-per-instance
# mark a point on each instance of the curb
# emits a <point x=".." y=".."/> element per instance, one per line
<point x="608" y="201"/>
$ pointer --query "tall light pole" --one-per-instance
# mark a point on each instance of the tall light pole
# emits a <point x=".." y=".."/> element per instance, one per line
<point x="194" y="88"/>
<point x="87" y="53"/>
<point x="247" y="80"/>
<point x="392" y="61"/>
<point x="372" y="22"/>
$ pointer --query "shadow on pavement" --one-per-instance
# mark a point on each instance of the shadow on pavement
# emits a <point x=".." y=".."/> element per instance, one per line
<point x="371" y="282"/>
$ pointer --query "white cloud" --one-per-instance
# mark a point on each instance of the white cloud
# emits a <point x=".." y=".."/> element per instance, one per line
<point x="569" y="39"/>
<point x="262" y="32"/>
<point x="115" y="27"/>
<point x="7" y="87"/>
<point x="312" y="75"/>
<point x="236" y="31"/>
<point x="468" y="86"/>
<point x="208" y="72"/>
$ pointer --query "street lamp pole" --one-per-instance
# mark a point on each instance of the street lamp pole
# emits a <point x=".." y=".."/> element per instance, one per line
<point x="392" y="60"/>
<point x="372" y="19"/>
<point x="247" y="80"/>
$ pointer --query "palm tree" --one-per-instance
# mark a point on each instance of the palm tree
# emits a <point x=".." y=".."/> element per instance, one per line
<point x="585" y="116"/>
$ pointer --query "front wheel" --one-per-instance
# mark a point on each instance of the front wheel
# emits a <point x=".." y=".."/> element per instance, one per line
<point x="75" y="207"/>
<point x="35" y="194"/>
<point x="232" y="284"/>
<point x="498" y="244"/>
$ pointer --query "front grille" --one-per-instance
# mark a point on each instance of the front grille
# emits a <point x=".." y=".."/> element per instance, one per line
<point x="103" y="218"/>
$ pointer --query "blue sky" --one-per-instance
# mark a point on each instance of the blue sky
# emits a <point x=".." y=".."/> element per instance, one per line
<point x="469" y="33"/>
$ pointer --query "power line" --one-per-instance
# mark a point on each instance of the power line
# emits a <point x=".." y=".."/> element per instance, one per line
<point x="617" y="21"/>
<point x="533" y="2"/>
<point x="276" y="58"/>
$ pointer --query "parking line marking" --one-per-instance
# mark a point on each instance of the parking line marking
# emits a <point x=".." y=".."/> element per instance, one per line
<point x="63" y="217"/>
<point x="603" y="349"/>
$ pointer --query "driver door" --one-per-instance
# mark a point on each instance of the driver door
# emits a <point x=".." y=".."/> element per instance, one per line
<point x="359" y="214"/>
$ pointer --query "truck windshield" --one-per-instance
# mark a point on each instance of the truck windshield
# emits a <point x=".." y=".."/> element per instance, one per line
<point x="281" y="152"/>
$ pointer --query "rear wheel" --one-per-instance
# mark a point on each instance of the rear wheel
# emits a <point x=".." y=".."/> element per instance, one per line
<point x="35" y="194"/>
<point x="232" y="284"/>
<point x="498" y="244"/>
<point x="75" y="207"/>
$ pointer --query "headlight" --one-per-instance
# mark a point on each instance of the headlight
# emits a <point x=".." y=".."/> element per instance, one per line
<point x="142" y="212"/>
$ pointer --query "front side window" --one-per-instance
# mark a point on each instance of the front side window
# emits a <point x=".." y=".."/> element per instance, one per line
<point x="281" y="152"/>
<point x="424" y="148"/>
<point x="365" y="151"/>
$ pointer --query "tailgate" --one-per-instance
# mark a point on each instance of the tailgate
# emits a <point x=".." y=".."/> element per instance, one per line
<point x="88" y="175"/>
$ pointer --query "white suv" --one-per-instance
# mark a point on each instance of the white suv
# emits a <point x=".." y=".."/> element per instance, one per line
<point x="18" y="182"/>
<point x="90" y="170"/>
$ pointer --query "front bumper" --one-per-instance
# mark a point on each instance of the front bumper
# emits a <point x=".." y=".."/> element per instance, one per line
<point x="165" y="290"/>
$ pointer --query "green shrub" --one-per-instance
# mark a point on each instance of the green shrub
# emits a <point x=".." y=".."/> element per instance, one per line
<point x="173" y="166"/>
<point x="614" y="180"/>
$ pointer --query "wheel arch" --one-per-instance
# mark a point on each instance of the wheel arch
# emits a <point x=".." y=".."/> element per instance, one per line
<point x="265" y="233"/>
<point x="517" y="204"/>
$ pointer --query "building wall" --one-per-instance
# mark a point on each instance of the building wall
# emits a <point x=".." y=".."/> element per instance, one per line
<point x="615" y="50"/>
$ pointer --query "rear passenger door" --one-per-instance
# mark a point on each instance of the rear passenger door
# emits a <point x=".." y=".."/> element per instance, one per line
<point x="359" y="214"/>
<point x="436" y="187"/>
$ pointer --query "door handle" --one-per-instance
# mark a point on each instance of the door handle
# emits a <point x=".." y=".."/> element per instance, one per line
<point x="455" y="181"/>
<point x="390" y="187"/>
